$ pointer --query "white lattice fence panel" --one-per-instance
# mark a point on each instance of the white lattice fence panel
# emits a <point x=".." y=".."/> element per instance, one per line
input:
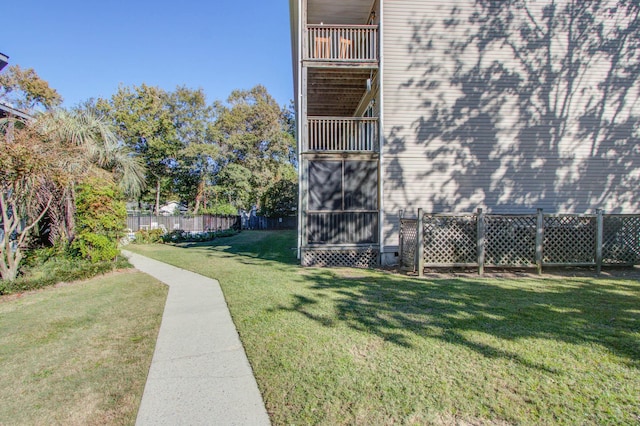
<point x="569" y="239"/>
<point x="352" y="258"/>
<point x="450" y="240"/>
<point x="510" y="240"/>
<point x="409" y="239"/>
<point x="621" y="240"/>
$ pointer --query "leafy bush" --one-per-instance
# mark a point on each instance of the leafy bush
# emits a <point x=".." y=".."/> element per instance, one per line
<point x="280" y="199"/>
<point x="44" y="268"/>
<point x="148" y="237"/>
<point x="96" y="247"/>
<point x="35" y="257"/>
<point x="100" y="220"/>
<point x="224" y="209"/>
<point x="180" y="236"/>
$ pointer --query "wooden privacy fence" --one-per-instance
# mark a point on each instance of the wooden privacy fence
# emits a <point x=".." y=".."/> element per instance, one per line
<point x="269" y="223"/>
<point x="524" y="240"/>
<point x="199" y="223"/>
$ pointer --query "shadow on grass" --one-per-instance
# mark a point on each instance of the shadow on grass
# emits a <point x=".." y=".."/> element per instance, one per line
<point x="277" y="246"/>
<point x="400" y="309"/>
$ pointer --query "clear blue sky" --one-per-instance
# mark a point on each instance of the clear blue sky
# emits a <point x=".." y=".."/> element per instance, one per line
<point x="86" y="48"/>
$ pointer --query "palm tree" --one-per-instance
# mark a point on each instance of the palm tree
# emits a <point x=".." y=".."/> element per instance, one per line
<point x="99" y="152"/>
<point x="40" y="164"/>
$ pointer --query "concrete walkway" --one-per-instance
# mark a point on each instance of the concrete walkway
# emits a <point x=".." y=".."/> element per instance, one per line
<point x="200" y="374"/>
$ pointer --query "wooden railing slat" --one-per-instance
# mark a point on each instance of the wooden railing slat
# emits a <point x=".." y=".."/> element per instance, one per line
<point x="342" y="43"/>
<point x="342" y="134"/>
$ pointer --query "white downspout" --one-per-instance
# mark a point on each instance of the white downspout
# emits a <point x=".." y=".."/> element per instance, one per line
<point x="299" y="119"/>
<point x="381" y="127"/>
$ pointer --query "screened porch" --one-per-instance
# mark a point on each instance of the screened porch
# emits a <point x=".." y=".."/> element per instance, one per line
<point x="342" y="202"/>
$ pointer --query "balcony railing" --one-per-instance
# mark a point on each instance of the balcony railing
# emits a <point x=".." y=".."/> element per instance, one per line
<point x="356" y="134"/>
<point x="342" y="43"/>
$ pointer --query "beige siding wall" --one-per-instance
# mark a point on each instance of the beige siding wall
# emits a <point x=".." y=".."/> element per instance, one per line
<point x="462" y="132"/>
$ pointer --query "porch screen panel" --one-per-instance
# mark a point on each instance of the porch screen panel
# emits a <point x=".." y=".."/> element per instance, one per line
<point x="343" y="202"/>
<point x="325" y="185"/>
<point x="360" y="185"/>
<point x="342" y="228"/>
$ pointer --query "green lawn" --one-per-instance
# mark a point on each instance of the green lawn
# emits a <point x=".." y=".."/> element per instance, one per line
<point x="79" y="353"/>
<point x="346" y="346"/>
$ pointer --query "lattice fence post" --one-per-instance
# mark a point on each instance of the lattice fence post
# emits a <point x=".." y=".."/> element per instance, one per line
<point x="401" y="237"/>
<point x="599" y="239"/>
<point x="539" y="240"/>
<point x="480" y="223"/>
<point x="420" y="243"/>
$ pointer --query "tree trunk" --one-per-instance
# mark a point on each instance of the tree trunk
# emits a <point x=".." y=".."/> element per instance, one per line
<point x="199" y="196"/>
<point x="69" y="212"/>
<point x="158" y="197"/>
<point x="13" y="225"/>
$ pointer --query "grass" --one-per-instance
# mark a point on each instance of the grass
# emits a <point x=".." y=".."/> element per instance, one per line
<point x="344" y="346"/>
<point x="79" y="353"/>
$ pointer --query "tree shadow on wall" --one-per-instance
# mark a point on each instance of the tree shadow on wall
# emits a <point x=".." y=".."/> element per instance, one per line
<point x="526" y="105"/>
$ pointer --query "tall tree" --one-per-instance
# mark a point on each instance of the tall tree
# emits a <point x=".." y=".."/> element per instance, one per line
<point x="254" y="132"/>
<point x="26" y="90"/>
<point x="145" y="124"/>
<point x="26" y="168"/>
<point x="199" y="157"/>
<point x="281" y="197"/>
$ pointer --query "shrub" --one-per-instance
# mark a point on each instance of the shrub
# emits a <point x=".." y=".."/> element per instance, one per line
<point x="148" y="237"/>
<point x="223" y="209"/>
<point x="43" y="270"/>
<point x="100" y="220"/>
<point x="180" y="236"/>
<point x="35" y="257"/>
<point x="280" y="199"/>
<point x="96" y="247"/>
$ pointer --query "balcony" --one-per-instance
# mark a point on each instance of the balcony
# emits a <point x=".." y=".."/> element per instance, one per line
<point x="347" y="44"/>
<point x="333" y="134"/>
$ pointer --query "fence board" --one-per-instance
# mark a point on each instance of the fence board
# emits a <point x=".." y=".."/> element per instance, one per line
<point x="199" y="223"/>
